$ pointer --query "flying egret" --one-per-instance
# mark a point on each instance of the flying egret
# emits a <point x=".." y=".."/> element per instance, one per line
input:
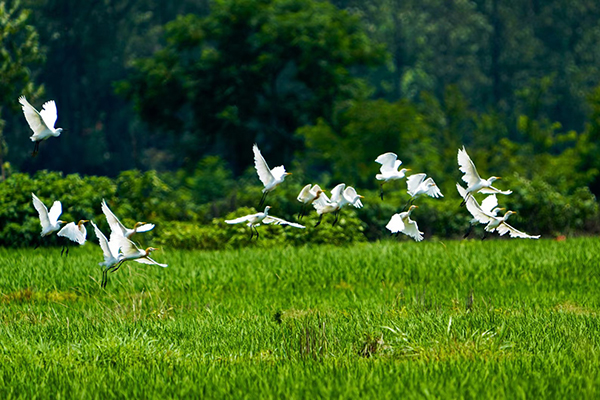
<point x="492" y="222"/>
<point x="307" y="196"/>
<point x="474" y="182"/>
<point x="118" y="228"/>
<point x="48" y="220"/>
<point x="389" y="169"/>
<point x="75" y="232"/>
<point x="417" y="186"/>
<point x="339" y="198"/>
<point x="402" y="222"/>
<point x="129" y="251"/>
<point x="41" y="123"/>
<point x="489" y="205"/>
<point x="254" y="220"/>
<point x="110" y="250"/>
<point x="270" y="178"/>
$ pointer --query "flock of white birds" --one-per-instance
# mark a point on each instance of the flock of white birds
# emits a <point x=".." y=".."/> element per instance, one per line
<point x="120" y="248"/>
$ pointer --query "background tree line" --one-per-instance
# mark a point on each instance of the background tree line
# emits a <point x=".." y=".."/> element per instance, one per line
<point x="328" y="84"/>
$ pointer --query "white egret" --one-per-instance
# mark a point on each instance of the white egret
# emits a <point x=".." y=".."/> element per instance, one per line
<point x="270" y="178"/>
<point x="389" y="169"/>
<point x="492" y="222"/>
<point x="489" y="205"/>
<point x="339" y="198"/>
<point x="402" y="223"/>
<point x="75" y="232"/>
<point x="254" y="220"/>
<point x="41" y="123"/>
<point x="474" y="182"/>
<point x="129" y="251"/>
<point x="307" y="196"/>
<point x="110" y="250"/>
<point x="417" y="186"/>
<point x="117" y="228"/>
<point x="48" y="220"/>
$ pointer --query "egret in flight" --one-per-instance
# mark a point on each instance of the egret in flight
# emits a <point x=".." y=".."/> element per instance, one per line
<point x="75" y="232"/>
<point x="492" y="222"/>
<point x="418" y="186"/>
<point x="489" y="205"/>
<point x="270" y="178"/>
<point x="254" y="220"/>
<point x="129" y="251"/>
<point x="474" y="182"/>
<point x="307" y="196"/>
<point x="110" y="250"/>
<point x="402" y="223"/>
<point x="49" y="220"/>
<point x="41" y="123"/>
<point x="117" y="228"/>
<point x="339" y="198"/>
<point x="389" y="169"/>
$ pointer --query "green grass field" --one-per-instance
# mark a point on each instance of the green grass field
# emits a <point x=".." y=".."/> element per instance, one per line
<point x="471" y="319"/>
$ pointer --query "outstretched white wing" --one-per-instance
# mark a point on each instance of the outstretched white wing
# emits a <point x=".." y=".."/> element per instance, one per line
<point x="395" y="224"/>
<point x="33" y="117"/>
<point x="42" y="211"/>
<point x="304" y="195"/>
<point x="240" y="219"/>
<point x="389" y="162"/>
<point x="350" y="194"/>
<point x="55" y="212"/>
<point x="148" y="260"/>
<point x="128" y="248"/>
<point x="49" y="113"/>
<point x="413" y="182"/>
<point x="279" y="221"/>
<point x="477" y="213"/>
<point x="337" y="193"/>
<point x="466" y="166"/>
<point x="493" y="190"/>
<point x="144" y="228"/>
<point x="411" y="229"/>
<point x="264" y="173"/>
<point x="109" y="250"/>
<point x="116" y="227"/>
<point x="433" y="190"/>
<point x="489" y="203"/>
<point x="504" y="227"/>
<point x="71" y="231"/>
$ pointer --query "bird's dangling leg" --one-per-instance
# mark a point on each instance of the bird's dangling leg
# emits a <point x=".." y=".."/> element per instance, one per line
<point x="36" y="148"/>
<point x="408" y="203"/>
<point x="468" y="231"/>
<point x="104" y="278"/>
<point x="67" y="252"/>
<point x="62" y="251"/>
<point x="251" y="232"/>
<point x="37" y="245"/>
<point x="319" y="221"/>
<point x="262" y="199"/>
<point x="256" y="233"/>
<point x="337" y="214"/>
<point x="485" y="233"/>
<point x="381" y="191"/>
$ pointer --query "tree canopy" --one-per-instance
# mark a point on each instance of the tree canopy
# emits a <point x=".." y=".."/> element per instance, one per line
<point x="252" y="70"/>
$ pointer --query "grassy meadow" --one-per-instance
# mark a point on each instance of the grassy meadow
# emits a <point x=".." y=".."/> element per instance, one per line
<point x="469" y="319"/>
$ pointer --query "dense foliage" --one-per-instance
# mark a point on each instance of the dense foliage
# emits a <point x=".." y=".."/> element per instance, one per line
<point x="323" y="87"/>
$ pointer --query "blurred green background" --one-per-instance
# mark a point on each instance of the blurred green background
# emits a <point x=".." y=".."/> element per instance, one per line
<point x="163" y="101"/>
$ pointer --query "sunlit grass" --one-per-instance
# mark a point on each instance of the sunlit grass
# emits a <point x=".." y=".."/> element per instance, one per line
<point x="497" y="319"/>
